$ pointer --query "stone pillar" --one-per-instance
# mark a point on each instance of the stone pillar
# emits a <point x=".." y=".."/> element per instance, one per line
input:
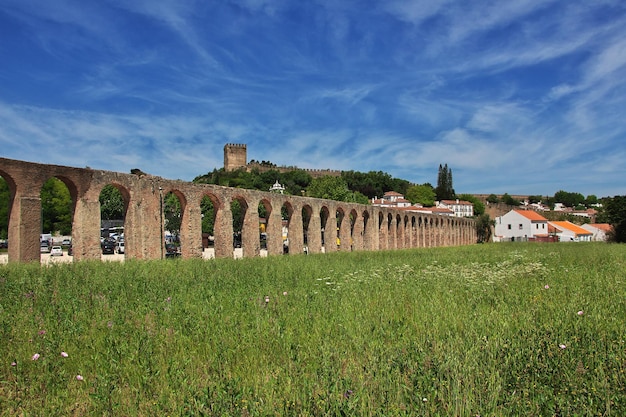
<point x="25" y="229"/>
<point x="274" y="230"/>
<point x="191" y="229"/>
<point x="86" y="230"/>
<point x="358" y="232"/>
<point x="383" y="232"/>
<point x="330" y="233"/>
<point x="251" y="246"/>
<point x="314" y="235"/>
<point x="296" y="232"/>
<point x="223" y="231"/>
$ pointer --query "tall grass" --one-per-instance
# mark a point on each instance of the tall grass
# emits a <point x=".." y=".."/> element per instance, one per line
<point x="509" y="329"/>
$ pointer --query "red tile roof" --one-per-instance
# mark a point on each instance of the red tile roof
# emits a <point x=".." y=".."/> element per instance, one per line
<point x="571" y="227"/>
<point x="602" y="226"/>
<point x="531" y="215"/>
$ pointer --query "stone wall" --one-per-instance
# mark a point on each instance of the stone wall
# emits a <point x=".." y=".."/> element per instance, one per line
<point x="317" y="224"/>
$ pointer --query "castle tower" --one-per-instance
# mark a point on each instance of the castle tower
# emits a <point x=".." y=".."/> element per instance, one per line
<point x="235" y="156"/>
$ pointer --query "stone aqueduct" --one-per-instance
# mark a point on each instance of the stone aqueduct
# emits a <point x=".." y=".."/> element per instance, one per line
<point x="360" y="227"/>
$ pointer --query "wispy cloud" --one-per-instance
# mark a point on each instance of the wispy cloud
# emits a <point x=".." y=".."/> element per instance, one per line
<point x="518" y="97"/>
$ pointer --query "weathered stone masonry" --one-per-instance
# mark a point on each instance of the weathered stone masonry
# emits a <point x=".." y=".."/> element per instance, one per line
<point x="328" y="225"/>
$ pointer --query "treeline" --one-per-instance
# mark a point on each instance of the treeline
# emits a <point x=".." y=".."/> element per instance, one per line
<point x="574" y="200"/>
<point x="349" y="186"/>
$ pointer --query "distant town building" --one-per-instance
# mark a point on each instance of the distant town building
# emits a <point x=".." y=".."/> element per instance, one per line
<point x="599" y="230"/>
<point x="460" y="208"/>
<point x="391" y="199"/>
<point x="521" y="225"/>
<point x="569" y="232"/>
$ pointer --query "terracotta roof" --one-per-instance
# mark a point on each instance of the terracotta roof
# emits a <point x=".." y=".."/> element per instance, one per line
<point x="571" y="227"/>
<point x="602" y="226"/>
<point x="531" y="215"/>
<point x="460" y="202"/>
<point x="390" y="193"/>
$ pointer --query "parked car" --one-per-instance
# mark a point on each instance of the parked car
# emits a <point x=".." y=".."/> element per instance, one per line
<point x="4" y="244"/>
<point x="70" y="251"/>
<point x="108" y="247"/>
<point x="56" y="251"/>
<point x="171" y="250"/>
<point x="44" y="247"/>
<point x="66" y="242"/>
<point x="120" y="247"/>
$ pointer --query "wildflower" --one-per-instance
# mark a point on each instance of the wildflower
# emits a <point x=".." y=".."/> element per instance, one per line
<point x="109" y="324"/>
<point x="79" y="377"/>
<point x="348" y="393"/>
<point x="546" y="287"/>
<point x="64" y="354"/>
<point x="13" y="363"/>
<point x="424" y="399"/>
<point x="580" y="313"/>
<point x="168" y="299"/>
<point x="284" y="292"/>
<point x="267" y="299"/>
<point x="42" y="332"/>
<point x="35" y="356"/>
<point x="562" y="346"/>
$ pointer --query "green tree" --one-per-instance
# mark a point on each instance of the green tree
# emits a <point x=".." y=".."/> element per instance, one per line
<point x="479" y="207"/>
<point x="493" y="199"/>
<point x="112" y="205"/>
<point x="569" y="199"/>
<point x="421" y="194"/>
<point x="56" y="206"/>
<point x="172" y="213"/>
<point x="295" y="181"/>
<point x="444" y="189"/>
<point x="510" y="201"/>
<point x="591" y="200"/>
<point x="615" y="213"/>
<point x="334" y="188"/>
<point x="483" y="228"/>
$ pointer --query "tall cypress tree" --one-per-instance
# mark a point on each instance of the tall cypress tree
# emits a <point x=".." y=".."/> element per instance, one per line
<point x="444" y="190"/>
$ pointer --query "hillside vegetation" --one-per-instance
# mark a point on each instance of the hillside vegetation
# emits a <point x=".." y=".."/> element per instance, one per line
<point x="508" y="329"/>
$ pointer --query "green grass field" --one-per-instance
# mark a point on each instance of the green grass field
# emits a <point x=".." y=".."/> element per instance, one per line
<point x="489" y="330"/>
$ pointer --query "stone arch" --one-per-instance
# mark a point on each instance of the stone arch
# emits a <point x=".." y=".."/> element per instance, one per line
<point x="343" y="230"/>
<point x="64" y="226"/>
<point x="209" y="207"/>
<point x="129" y="245"/>
<point x="245" y="226"/>
<point x="11" y="186"/>
<point x="366" y="227"/>
<point x="328" y="218"/>
<point x="309" y="228"/>
<point x="356" y="231"/>
<point x="287" y="212"/>
<point x="174" y="236"/>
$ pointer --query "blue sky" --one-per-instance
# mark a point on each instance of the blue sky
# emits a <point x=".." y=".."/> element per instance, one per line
<point x="522" y="97"/>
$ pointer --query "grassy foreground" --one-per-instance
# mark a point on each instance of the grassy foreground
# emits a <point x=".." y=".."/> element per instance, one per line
<point x="490" y="330"/>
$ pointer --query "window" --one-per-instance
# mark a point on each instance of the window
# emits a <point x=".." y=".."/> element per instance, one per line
<point x="521" y="226"/>
<point x="508" y="226"/>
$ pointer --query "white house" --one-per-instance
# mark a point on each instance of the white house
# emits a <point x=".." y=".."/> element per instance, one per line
<point x="460" y="208"/>
<point x="599" y="230"/>
<point x="520" y="225"/>
<point x="391" y="199"/>
<point x="570" y="232"/>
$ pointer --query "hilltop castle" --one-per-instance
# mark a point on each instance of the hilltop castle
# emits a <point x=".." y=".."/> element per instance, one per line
<point x="236" y="157"/>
